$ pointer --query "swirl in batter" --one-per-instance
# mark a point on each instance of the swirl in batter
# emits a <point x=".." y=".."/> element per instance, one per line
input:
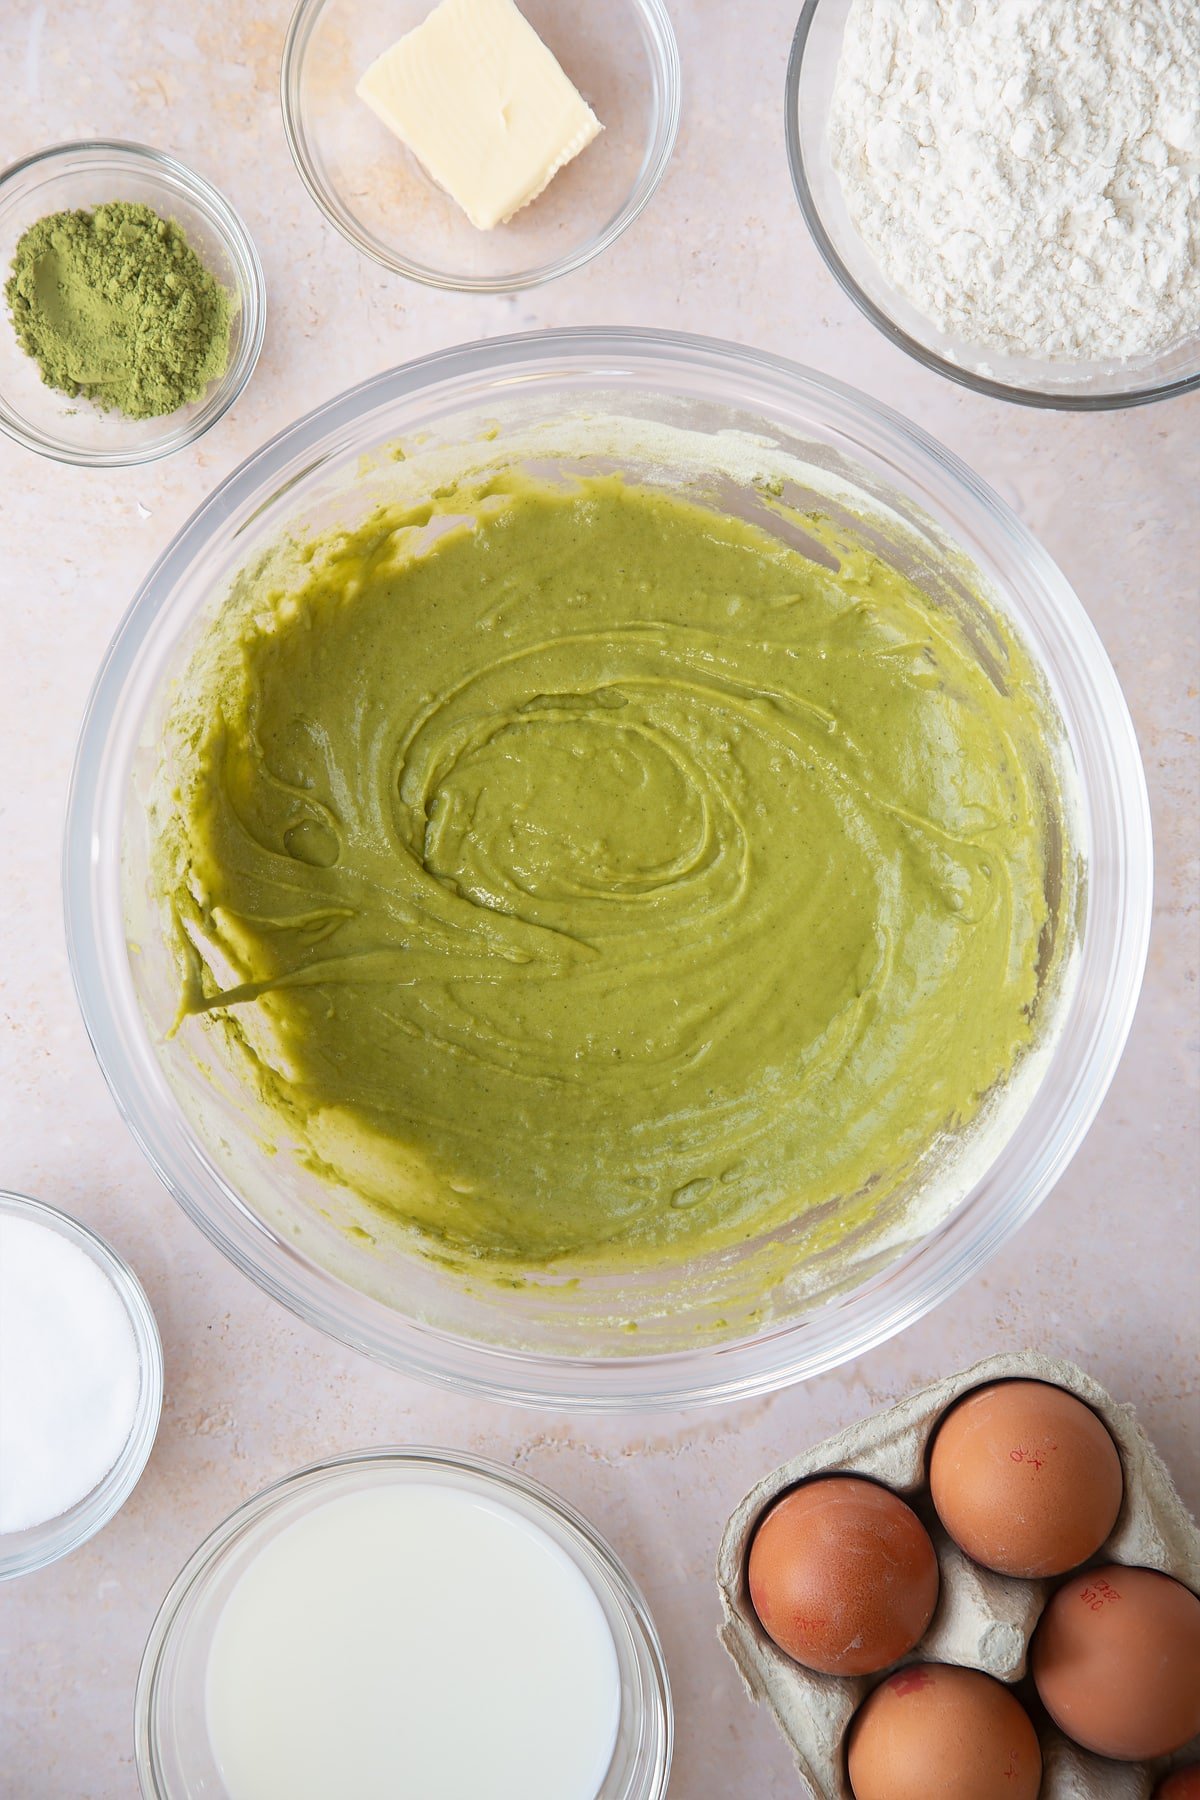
<point x="606" y="879"/>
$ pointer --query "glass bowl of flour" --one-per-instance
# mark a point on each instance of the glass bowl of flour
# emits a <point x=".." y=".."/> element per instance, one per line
<point x="1011" y="195"/>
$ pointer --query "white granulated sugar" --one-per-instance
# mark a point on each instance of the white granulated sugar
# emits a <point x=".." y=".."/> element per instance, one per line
<point x="69" y="1374"/>
<point x="1027" y="172"/>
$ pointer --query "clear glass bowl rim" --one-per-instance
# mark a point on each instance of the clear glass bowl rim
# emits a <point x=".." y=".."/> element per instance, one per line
<point x="658" y="20"/>
<point x="45" y="1543"/>
<point x="1098" y="401"/>
<point x="846" y="1328"/>
<point x="209" y="1554"/>
<point x="252" y="297"/>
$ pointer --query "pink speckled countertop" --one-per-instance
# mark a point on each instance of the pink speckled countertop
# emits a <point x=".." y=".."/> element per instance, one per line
<point x="1106" y="1274"/>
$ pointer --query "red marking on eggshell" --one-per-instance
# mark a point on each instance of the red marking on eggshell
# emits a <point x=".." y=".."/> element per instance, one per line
<point x="911" y="1681"/>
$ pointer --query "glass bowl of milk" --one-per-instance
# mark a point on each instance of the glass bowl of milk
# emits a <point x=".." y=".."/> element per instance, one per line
<point x="404" y="1621"/>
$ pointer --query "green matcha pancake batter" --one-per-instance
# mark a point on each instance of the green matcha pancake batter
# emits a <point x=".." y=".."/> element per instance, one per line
<point x="587" y="877"/>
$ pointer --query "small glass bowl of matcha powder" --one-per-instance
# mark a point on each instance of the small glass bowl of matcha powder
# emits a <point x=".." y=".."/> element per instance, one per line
<point x="133" y="306"/>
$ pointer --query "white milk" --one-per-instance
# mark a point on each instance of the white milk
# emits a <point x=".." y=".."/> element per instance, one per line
<point x="412" y="1642"/>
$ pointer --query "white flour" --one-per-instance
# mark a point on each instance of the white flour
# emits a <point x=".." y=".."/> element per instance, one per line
<point x="1027" y="172"/>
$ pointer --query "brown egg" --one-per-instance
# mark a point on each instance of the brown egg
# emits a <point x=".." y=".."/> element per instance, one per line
<point x="937" y="1733"/>
<point x="1116" y="1660"/>
<point x="843" y="1575"/>
<point x="1025" y="1478"/>
<point x="1183" y="1784"/>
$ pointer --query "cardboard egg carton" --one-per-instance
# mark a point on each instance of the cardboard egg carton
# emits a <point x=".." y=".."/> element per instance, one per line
<point x="983" y="1621"/>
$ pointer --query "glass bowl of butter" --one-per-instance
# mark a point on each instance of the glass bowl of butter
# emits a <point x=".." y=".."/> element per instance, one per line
<point x="476" y="145"/>
<point x="494" y="975"/>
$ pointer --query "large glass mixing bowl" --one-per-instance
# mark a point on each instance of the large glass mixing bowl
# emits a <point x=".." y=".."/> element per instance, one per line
<point x="702" y="416"/>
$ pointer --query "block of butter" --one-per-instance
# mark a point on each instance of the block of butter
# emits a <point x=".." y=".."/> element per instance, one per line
<point x="483" y="104"/>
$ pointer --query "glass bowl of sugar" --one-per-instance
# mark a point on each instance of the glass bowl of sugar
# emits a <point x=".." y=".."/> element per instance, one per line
<point x="81" y="1383"/>
<point x="997" y="240"/>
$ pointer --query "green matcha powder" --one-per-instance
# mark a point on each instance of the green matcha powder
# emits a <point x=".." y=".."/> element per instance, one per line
<point x="116" y="306"/>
